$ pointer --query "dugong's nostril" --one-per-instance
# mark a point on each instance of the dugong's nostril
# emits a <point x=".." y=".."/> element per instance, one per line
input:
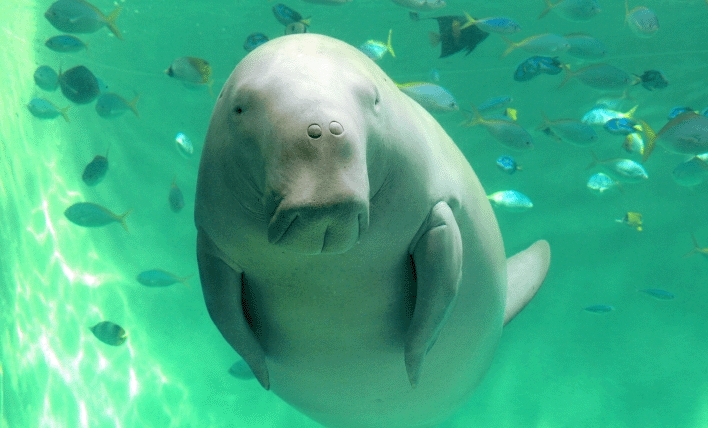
<point x="314" y="131"/>
<point x="336" y="128"/>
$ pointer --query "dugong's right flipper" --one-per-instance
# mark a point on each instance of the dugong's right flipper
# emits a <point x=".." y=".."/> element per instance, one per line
<point x="437" y="258"/>
<point x="221" y="285"/>
<point x="525" y="274"/>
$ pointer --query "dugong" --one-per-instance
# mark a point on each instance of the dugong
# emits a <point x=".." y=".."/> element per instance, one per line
<point x="346" y="249"/>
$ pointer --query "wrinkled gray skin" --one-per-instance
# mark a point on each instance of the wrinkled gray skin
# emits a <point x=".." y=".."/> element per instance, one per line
<point x="347" y="250"/>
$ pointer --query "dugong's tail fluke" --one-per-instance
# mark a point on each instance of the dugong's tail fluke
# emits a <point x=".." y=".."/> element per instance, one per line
<point x="525" y="274"/>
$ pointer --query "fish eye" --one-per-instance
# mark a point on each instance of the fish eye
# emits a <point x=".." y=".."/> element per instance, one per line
<point x="238" y="110"/>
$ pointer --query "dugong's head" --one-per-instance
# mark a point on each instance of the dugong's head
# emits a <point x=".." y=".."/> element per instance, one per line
<point x="297" y="126"/>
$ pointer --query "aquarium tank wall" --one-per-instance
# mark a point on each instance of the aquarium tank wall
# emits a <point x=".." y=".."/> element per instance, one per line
<point x="616" y="336"/>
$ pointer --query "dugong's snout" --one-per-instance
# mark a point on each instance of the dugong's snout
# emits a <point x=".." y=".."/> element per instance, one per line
<point x="312" y="229"/>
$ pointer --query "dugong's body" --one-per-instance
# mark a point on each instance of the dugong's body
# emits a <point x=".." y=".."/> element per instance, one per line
<point x="347" y="250"/>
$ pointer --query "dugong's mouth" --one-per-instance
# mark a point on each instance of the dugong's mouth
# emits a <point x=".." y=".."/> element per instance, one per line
<point x="319" y="229"/>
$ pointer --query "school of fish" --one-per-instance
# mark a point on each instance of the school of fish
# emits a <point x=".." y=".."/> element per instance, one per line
<point x="576" y="58"/>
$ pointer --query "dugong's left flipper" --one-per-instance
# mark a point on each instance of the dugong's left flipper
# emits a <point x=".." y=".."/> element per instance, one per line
<point x="525" y="274"/>
<point x="221" y="285"/>
<point x="437" y="257"/>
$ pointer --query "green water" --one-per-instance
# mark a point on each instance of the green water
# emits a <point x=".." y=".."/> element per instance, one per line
<point x="643" y="365"/>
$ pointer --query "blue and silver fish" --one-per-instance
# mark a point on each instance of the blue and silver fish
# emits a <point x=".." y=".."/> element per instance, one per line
<point x="287" y="16"/>
<point x="507" y="132"/>
<point x="634" y="143"/>
<point x="496" y="24"/>
<point x="45" y="109"/>
<point x="621" y="126"/>
<point x="678" y="110"/>
<point x="432" y="97"/>
<point x="80" y="16"/>
<point x="184" y="145"/>
<point x="376" y="50"/>
<point x="176" y="198"/>
<point x="602" y="76"/>
<point x="600" y="183"/>
<point x="540" y="44"/>
<point x="601" y="113"/>
<point x="641" y="20"/>
<point x="536" y="65"/>
<point x="87" y="214"/>
<point x="658" y="293"/>
<point x="65" y="43"/>
<point x="254" y="40"/>
<point x="511" y="200"/>
<point x="599" y="309"/>
<point x="110" y="105"/>
<point x="46" y="78"/>
<point x="585" y="46"/>
<point x="495" y="103"/>
<point x="508" y="164"/>
<point x="96" y="170"/>
<point x="571" y="130"/>
<point x="109" y="333"/>
<point x="160" y="278"/>
<point x="573" y="10"/>
<point x="625" y="170"/>
<point x="691" y="172"/>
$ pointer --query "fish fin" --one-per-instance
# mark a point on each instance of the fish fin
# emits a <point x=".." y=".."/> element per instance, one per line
<point x="121" y="219"/>
<point x="436" y="251"/>
<point x="525" y="273"/>
<point x="649" y="140"/>
<point x="306" y="21"/>
<point x="595" y="160"/>
<point x="630" y="113"/>
<point x="110" y="21"/>
<point x="210" y="88"/>
<point x="566" y="76"/>
<point x="389" y="47"/>
<point x="434" y="38"/>
<point x="63" y="113"/>
<point x="132" y="104"/>
<point x="470" y="21"/>
<point x="549" y="7"/>
<point x="511" y="113"/>
<point x="510" y="46"/>
<point x="626" y="12"/>
<point x="476" y="118"/>
<point x="184" y="280"/>
<point x="695" y="248"/>
<point x="222" y="285"/>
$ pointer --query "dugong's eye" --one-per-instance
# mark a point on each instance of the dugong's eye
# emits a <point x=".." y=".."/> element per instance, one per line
<point x="238" y="110"/>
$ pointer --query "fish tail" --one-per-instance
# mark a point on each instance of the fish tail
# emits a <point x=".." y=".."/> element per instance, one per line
<point x="630" y="113"/>
<point x="566" y="76"/>
<point x="470" y="21"/>
<point x="626" y="11"/>
<point x="510" y="46"/>
<point x="185" y="280"/>
<point x="306" y="21"/>
<point x="549" y="7"/>
<point x="121" y="219"/>
<point x="210" y="87"/>
<point x="388" y="44"/>
<point x="696" y="248"/>
<point x="63" y="112"/>
<point x="649" y="140"/>
<point x="594" y="162"/>
<point x="476" y="118"/>
<point x="132" y="104"/>
<point x="110" y="21"/>
<point x="434" y="38"/>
